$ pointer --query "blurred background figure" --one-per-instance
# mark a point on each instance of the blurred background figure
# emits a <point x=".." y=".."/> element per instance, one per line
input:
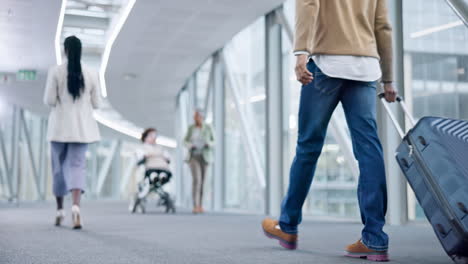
<point x="156" y="158"/>
<point x="157" y="173"/>
<point x="72" y="93"/>
<point x="199" y="140"/>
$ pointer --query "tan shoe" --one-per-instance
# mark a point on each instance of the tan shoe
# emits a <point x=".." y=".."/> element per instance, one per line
<point x="359" y="250"/>
<point x="272" y="230"/>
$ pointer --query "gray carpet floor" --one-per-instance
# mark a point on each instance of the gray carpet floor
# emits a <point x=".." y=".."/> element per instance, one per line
<point x="112" y="235"/>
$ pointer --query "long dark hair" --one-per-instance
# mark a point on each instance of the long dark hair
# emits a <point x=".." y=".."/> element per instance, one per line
<point x="75" y="78"/>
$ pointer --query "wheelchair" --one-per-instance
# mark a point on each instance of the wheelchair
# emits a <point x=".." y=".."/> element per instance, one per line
<point x="153" y="182"/>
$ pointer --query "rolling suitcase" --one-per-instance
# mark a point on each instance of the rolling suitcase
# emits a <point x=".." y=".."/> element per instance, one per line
<point x="433" y="155"/>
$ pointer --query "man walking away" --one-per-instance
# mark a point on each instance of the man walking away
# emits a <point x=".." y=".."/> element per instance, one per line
<point x="343" y="48"/>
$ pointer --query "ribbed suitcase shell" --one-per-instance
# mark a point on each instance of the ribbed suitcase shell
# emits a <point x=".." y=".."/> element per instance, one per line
<point x="434" y="158"/>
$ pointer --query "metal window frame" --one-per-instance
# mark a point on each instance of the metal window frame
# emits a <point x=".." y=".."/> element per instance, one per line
<point x="14" y="173"/>
<point x="219" y="103"/>
<point x="107" y="164"/>
<point x="32" y="158"/>
<point x="209" y="88"/>
<point x="396" y="183"/>
<point x="460" y="7"/>
<point x="275" y="152"/>
<point x="6" y="165"/>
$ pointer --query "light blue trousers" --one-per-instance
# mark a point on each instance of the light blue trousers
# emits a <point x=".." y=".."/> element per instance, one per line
<point x="68" y="167"/>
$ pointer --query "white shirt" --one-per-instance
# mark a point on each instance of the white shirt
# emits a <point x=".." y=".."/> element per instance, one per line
<point x="197" y="140"/>
<point x="358" y="68"/>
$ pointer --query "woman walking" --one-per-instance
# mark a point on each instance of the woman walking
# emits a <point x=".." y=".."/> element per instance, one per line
<point x="199" y="140"/>
<point x="72" y="93"/>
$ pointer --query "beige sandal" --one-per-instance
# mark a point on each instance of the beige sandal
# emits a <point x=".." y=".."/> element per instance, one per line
<point x="76" y="217"/>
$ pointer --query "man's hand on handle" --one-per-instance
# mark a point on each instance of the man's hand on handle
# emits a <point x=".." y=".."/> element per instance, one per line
<point x="390" y="92"/>
<point x="303" y="75"/>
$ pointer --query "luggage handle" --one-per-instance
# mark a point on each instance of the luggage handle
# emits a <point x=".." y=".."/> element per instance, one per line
<point x="402" y="103"/>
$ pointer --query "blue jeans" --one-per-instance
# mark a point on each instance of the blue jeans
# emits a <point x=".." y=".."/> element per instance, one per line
<point x="318" y="101"/>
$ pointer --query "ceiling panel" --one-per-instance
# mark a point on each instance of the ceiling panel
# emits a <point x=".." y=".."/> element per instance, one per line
<point x="27" y="42"/>
<point x="162" y="44"/>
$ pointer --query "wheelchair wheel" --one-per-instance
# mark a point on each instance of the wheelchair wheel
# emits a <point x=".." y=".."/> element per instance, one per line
<point x="138" y="203"/>
<point x="460" y="259"/>
<point x="170" y="206"/>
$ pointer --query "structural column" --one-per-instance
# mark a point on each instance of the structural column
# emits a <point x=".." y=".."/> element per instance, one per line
<point x="179" y="152"/>
<point x="15" y="146"/>
<point x="274" y="115"/>
<point x="43" y="160"/>
<point x="396" y="183"/>
<point x="219" y="123"/>
<point x="116" y="171"/>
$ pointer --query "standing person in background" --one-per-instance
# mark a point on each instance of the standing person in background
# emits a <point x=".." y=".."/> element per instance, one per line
<point x="72" y="92"/>
<point x="199" y="140"/>
<point x="342" y="48"/>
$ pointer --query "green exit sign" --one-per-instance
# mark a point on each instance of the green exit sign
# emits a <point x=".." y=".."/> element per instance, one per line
<point x="26" y="75"/>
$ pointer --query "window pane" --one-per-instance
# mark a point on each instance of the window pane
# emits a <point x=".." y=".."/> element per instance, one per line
<point x="436" y="65"/>
<point x="245" y="57"/>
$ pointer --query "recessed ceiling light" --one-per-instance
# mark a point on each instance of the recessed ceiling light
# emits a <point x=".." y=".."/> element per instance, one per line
<point x="86" y="13"/>
<point x="129" y="76"/>
<point x="93" y="31"/>
<point x="96" y="9"/>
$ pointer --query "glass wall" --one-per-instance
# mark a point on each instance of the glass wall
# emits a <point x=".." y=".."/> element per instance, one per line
<point x="436" y="64"/>
<point x="203" y="93"/>
<point x="244" y="155"/>
<point x="245" y="117"/>
<point x="202" y="78"/>
<point x="436" y="82"/>
<point x="197" y="94"/>
<point x="22" y="152"/>
<point x="25" y="166"/>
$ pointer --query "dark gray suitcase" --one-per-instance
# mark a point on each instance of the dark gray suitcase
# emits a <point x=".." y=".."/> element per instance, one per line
<point x="433" y="155"/>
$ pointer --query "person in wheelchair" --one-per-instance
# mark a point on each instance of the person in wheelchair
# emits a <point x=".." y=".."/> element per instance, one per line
<point x="156" y="159"/>
<point x="157" y="172"/>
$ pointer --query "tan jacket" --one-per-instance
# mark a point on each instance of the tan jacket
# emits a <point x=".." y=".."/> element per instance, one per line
<point x="345" y="27"/>
<point x="71" y="121"/>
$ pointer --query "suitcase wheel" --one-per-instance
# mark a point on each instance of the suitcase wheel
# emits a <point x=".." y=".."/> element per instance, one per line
<point x="460" y="259"/>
